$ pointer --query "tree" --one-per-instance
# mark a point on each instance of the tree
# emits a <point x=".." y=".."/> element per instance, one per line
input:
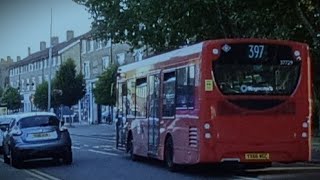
<point x="1" y="92"/>
<point x="41" y="97"/>
<point x="11" y="98"/>
<point x="105" y="90"/>
<point x="168" y="24"/>
<point x="70" y="84"/>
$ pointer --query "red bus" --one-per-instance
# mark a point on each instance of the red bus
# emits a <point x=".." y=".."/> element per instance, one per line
<point x="229" y="100"/>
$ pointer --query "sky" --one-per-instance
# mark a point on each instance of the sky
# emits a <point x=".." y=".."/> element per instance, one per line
<point x="24" y="23"/>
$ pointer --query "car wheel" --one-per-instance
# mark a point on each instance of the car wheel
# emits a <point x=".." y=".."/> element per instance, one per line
<point x="67" y="157"/>
<point x="14" y="160"/>
<point x="169" y="154"/>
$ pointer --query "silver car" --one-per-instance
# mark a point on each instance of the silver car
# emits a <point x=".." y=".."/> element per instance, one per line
<point x="4" y="124"/>
<point x="36" y="135"/>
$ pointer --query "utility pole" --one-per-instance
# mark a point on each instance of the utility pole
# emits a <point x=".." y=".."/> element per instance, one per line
<point x="50" y="57"/>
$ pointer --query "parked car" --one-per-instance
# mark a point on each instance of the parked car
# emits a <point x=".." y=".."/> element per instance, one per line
<point x="36" y="135"/>
<point x="4" y="124"/>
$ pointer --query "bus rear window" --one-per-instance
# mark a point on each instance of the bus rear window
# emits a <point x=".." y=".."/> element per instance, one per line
<point x="256" y="69"/>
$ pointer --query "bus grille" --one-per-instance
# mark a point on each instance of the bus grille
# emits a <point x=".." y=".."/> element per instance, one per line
<point x="193" y="137"/>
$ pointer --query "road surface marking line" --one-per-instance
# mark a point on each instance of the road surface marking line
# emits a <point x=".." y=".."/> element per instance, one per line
<point x="44" y="174"/>
<point x="245" y="178"/>
<point x="74" y="147"/>
<point x="1" y="160"/>
<point x="284" y="169"/>
<point x="35" y="175"/>
<point x="86" y="145"/>
<point x="101" y="152"/>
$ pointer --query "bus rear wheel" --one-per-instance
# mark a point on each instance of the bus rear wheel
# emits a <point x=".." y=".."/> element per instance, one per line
<point x="169" y="154"/>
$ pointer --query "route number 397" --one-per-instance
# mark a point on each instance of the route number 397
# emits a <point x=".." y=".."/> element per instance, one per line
<point x="256" y="51"/>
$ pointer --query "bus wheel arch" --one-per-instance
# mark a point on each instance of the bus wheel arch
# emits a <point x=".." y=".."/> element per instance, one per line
<point x="168" y="154"/>
<point x="129" y="147"/>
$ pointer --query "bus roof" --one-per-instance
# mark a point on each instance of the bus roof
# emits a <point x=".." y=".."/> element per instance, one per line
<point x="196" y="48"/>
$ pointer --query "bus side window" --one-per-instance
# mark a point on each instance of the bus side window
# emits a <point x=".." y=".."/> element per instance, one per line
<point x="168" y="103"/>
<point x="185" y="87"/>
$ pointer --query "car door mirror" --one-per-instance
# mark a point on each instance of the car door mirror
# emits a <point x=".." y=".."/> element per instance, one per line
<point x="3" y="128"/>
<point x="62" y="122"/>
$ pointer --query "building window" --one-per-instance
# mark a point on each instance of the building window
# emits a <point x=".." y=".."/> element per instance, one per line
<point x="106" y="62"/>
<point x="121" y="58"/>
<point x="86" y="69"/>
<point x="33" y="84"/>
<point x="40" y="79"/>
<point x="138" y="56"/>
<point x="28" y="84"/>
<point x="88" y="46"/>
<point x="83" y="46"/>
<point x="54" y="59"/>
<point x="59" y="61"/>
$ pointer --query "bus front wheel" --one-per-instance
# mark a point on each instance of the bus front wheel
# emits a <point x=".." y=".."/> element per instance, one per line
<point x="133" y="157"/>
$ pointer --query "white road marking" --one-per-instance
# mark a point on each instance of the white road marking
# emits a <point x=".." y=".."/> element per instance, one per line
<point x="86" y="145"/>
<point x="1" y="160"/>
<point x="101" y="152"/>
<point x="74" y="147"/>
<point x="284" y="169"/>
<point x="35" y="175"/>
<point x="44" y="174"/>
<point x="244" y="178"/>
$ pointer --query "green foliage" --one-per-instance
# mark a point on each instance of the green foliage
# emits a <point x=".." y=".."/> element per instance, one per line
<point x="105" y="90"/>
<point x="168" y="24"/>
<point x="1" y="92"/>
<point x="11" y="98"/>
<point x="70" y="84"/>
<point x="41" y="97"/>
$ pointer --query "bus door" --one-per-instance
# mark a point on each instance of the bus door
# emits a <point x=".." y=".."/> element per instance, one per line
<point x="153" y="114"/>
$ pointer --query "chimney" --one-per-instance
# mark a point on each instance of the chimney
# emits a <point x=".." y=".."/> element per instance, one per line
<point x="54" y="40"/>
<point x="42" y="45"/>
<point x="29" y="51"/>
<point x="70" y="35"/>
<point x="18" y="58"/>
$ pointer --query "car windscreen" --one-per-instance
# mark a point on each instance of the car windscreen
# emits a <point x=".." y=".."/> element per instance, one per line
<point x="38" y="121"/>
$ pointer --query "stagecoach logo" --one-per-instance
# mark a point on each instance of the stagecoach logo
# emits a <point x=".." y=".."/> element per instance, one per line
<point x="226" y="48"/>
<point x="245" y="88"/>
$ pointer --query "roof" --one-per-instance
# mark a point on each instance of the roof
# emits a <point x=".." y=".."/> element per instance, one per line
<point x="44" y="54"/>
<point x="196" y="48"/>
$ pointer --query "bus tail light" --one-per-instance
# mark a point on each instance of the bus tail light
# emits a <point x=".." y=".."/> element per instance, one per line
<point x="305" y="125"/>
<point x="207" y="135"/>
<point x="304" y="135"/>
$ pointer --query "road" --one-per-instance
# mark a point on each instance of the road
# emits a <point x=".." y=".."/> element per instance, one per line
<point x="95" y="157"/>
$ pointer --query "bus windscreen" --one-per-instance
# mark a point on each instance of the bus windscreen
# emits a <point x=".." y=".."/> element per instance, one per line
<point x="256" y="69"/>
